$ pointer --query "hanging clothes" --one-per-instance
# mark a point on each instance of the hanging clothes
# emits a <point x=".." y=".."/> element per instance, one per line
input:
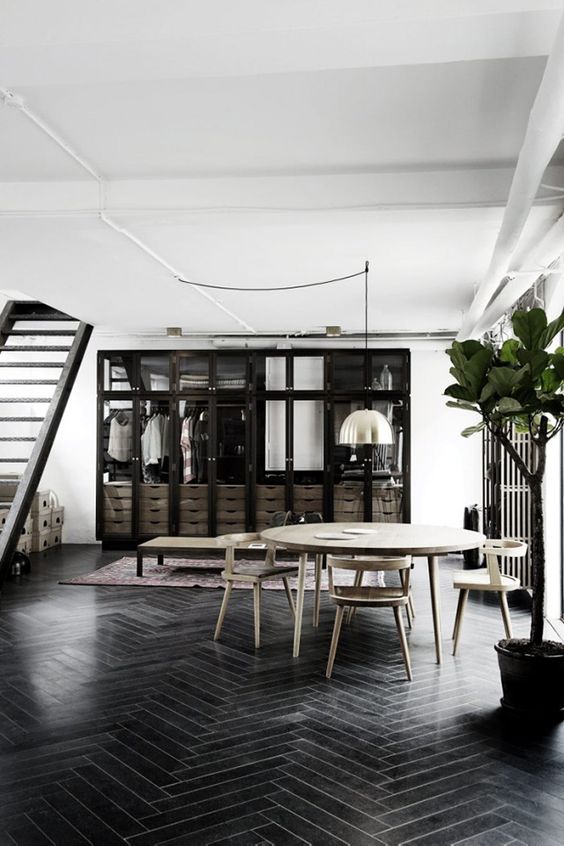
<point x="120" y="442"/>
<point x="151" y="441"/>
<point x="186" y="445"/>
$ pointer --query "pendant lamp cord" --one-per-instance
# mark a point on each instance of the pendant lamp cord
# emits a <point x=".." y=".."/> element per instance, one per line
<point x="366" y="307"/>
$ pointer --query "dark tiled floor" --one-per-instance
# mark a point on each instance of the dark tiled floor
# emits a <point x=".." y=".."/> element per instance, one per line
<point x="122" y="722"/>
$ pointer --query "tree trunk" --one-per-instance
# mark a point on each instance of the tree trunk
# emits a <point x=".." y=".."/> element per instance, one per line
<point x="537" y="560"/>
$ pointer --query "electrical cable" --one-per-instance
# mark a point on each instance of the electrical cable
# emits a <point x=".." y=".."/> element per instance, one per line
<point x="276" y="288"/>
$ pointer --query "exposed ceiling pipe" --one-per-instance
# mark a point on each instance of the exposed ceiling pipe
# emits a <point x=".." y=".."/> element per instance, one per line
<point x="544" y="132"/>
<point x="10" y="98"/>
<point x="546" y="255"/>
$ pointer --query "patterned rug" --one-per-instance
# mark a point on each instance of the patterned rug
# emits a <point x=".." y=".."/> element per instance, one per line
<point x="186" y="573"/>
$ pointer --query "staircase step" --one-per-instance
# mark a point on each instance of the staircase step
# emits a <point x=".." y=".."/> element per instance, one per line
<point x="14" y="439"/>
<point x="18" y="348"/>
<point x="14" y="460"/>
<point x="21" y="420"/>
<point x="43" y="332"/>
<point x="29" y="381"/>
<point x="24" y="399"/>
<point x="32" y="363"/>
<point x="30" y="310"/>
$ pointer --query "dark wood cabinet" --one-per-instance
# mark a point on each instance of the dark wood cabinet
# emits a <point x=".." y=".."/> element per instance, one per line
<point x="202" y="442"/>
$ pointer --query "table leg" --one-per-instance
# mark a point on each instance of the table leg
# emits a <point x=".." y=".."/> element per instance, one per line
<point x="435" y="603"/>
<point x="139" y="562"/>
<point x="160" y="560"/>
<point x="300" y="603"/>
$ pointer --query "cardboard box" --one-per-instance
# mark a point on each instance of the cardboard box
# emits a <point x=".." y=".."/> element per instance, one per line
<point x="41" y="501"/>
<point x="40" y="540"/>
<point x="56" y="536"/>
<point x="41" y="520"/>
<point x="57" y="517"/>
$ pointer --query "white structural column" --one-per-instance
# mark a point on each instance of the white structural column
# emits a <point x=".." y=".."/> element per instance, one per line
<point x="544" y="132"/>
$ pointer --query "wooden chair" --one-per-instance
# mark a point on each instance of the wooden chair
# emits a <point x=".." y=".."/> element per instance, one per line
<point x="256" y="574"/>
<point x="489" y="578"/>
<point x="409" y="608"/>
<point x="359" y="596"/>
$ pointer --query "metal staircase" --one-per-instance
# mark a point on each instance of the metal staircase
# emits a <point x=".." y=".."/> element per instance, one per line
<point x="44" y="373"/>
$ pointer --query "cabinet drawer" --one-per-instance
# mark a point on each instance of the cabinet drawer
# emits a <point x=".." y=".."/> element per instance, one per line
<point x="159" y="503"/>
<point x="226" y="528"/>
<point x="117" y="527"/>
<point x="230" y="492"/>
<point x="150" y="527"/>
<point x="231" y="514"/>
<point x="188" y="529"/>
<point x="118" y="516"/>
<point x="188" y="501"/>
<point x="153" y="514"/>
<point x="113" y="490"/>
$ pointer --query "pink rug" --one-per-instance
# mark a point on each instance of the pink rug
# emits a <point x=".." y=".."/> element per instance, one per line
<point x="185" y="573"/>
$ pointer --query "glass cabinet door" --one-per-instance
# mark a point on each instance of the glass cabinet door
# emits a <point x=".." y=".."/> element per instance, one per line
<point x="154" y="372"/>
<point x="308" y="455"/>
<point x="230" y="467"/>
<point x="387" y="371"/>
<point x="348" y="468"/>
<point x="231" y="372"/>
<point x="193" y="499"/>
<point x="154" y="460"/>
<point x="117" y="372"/>
<point x="387" y="467"/>
<point x="117" y="470"/>
<point x="193" y="372"/>
<point x="270" y="372"/>
<point x="271" y="457"/>
<point x="349" y="370"/>
<point x="309" y="373"/>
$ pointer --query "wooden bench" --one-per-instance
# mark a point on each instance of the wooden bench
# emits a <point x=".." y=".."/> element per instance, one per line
<point x="175" y="548"/>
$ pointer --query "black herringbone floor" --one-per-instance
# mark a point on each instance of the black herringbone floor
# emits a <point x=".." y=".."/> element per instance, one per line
<point x="121" y="721"/>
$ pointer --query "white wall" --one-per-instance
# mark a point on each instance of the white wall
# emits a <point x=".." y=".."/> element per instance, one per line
<point x="445" y="467"/>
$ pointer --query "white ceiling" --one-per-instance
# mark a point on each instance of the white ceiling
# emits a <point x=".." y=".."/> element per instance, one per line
<point x="259" y="143"/>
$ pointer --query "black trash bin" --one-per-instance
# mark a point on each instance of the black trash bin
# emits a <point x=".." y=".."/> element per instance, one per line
<point x="472" y="557"/>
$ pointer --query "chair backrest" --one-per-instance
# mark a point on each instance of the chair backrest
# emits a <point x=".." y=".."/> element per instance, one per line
<point x="372" y="564"/>
<point x="496" y="548"/>
<point x="234" y="540"/>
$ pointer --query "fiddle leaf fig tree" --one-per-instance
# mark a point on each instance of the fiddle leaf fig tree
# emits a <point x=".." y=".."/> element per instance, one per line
<point x="519" y="384"/>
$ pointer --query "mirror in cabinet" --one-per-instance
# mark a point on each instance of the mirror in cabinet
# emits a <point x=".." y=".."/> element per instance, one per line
<point x="117" y="372"/>
<point x="230" y="467"/>
<point x="154" y="453"/>
<point x="154" y="372"/>
<point x="308" y="455"/>
<point x="194" y="428"/>
<point x="271" y="459"/>
<point x="117" y="467"/>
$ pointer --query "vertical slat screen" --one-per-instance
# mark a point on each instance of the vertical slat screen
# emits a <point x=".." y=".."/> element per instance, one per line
<point x="506" y="500"/>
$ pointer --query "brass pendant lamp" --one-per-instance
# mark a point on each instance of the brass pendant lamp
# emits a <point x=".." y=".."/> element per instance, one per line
<point x="366" y="426"/>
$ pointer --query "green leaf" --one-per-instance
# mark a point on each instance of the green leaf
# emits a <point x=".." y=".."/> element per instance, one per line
<point x="552" y="330"/>
<point x="472" y="430"/>
<point x="508" y="351"/>
<point x="536" y="359"/>
<point x="507" y="405"/>
<point x="505" y="379"/>
<point x="488" y="392"/>
<point x="470" y="348"/>
<point x="530" y="327"/>
<point x="459" y="392"/>
<point x="550" y="380"/>
<point x="558" y="364"/>
<point x="466" y="406"/>
<point x="477" y="368"/>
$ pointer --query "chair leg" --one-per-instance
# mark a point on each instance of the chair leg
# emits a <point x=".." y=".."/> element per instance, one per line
<point x="505" y="613"/>
<point x="290" y="597"/>
<point x="408" y="614"/>
<point x="257" y="597"/>
<point x="403" y="641"/>
<point x="462" y="599"/>
<point x="223" y="610"/>
<point x="411" y="604"/>
<point x="335" y="640"/>
<point x="359" y="575"/>
<point x="317" y="594"/>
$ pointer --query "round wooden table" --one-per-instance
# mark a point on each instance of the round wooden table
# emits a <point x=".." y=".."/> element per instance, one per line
<point x="384" y="539"/>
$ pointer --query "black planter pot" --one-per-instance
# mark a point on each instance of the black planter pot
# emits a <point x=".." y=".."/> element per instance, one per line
<point x="532" y="684"/>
